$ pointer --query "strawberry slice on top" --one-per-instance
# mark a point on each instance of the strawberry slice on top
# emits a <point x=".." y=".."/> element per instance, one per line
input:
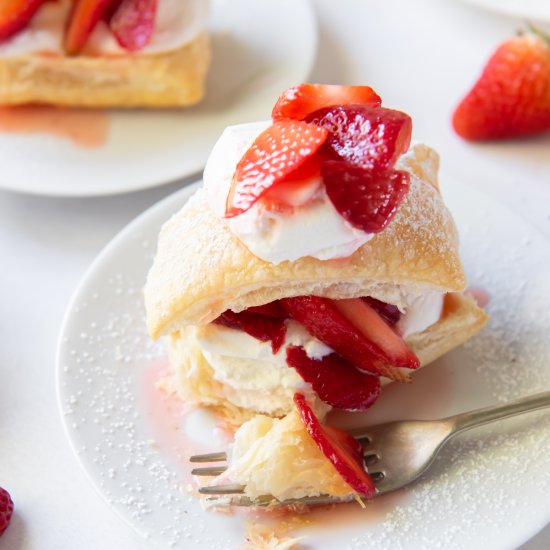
<point x="367" y="198"/>
<point x="365" y="136"/>
<point x="85" y="15"/>
<point x="343" y="451"/>
<point x="133" y="23"/>
<point x="298" y="102"/>
<point x="334" y="380"/>
<point x="15" y="15"/>
<point x="298" y="187"/>
<point x="274" y="155"/>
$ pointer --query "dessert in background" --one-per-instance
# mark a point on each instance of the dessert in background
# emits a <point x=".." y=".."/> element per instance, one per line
<point x="512" y="96"/>
<point x="317" y="263"/>
<point x="103" y="53"/>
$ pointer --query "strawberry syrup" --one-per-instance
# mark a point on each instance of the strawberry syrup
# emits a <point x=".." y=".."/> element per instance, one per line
<point x="86" y="128"/>
<point x="180" y="430"/>
<point x="481" y="296"/>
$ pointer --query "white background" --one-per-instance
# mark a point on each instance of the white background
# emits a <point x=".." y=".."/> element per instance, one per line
<point x="420" y="55"/>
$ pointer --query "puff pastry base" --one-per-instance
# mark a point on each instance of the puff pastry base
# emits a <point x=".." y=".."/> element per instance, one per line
<point x="168" y="79"/>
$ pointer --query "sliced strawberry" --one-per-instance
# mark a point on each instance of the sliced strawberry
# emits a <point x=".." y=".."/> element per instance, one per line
<point x="325" y="322"/>
<point x="298" y="102"/>
<point x="388" y="312"/>
<point x="365" y="136"/>
<point x="84" y="17"/>
<point x="273" y="309"/>
<point x="375" y="329"/>
<point x="274" y="155"/>
<point x="134" y="22"/>
<point x="266" y="329"/>
<point x="367" y="198"/>
<point x="299" y="186"/>
<point x="15" y="15"/>
<point x="334" y="380"/>
<point x="343" y="451"/>
<point x="287" y="195"/>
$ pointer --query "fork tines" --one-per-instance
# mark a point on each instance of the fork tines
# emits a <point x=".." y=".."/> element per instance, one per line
<point x="235" y="491"/>
<point x="211" y="457"/>
<point x="209" y="470"/>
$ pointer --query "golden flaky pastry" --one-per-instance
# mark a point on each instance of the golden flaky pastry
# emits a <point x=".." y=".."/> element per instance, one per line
<point x="201" y="269"/>
<point x="167" y="79"/>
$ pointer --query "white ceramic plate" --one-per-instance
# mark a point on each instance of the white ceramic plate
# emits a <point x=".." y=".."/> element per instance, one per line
<point x="489" y="489"/>
<point x="536" y="10"/>
<point x="258" y="51"/>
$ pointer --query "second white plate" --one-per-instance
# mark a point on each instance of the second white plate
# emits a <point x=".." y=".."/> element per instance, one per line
<point x="487" y="491"/>
<point x="258" y="51"/>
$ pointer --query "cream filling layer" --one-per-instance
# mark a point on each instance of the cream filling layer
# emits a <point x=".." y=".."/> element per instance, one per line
<point x="420" y="312"/>
<point x="254" y="377"/>
<point x="257" y="379"/>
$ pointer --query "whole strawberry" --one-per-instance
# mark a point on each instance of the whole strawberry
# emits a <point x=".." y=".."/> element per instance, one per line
<point x="512" y="96"/>
<point x="6" y="510"/>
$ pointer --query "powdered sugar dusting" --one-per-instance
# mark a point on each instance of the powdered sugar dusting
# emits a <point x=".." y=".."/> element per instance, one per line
<point x="488" y="489"/>
<point x="102" y="364"/>
<point x="476" y="491"/>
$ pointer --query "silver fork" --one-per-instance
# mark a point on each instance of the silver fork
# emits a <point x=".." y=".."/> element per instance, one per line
<point x="396" y="453"/>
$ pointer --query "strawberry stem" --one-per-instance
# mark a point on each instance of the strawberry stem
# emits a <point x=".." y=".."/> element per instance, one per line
<point x="539" y="32"/>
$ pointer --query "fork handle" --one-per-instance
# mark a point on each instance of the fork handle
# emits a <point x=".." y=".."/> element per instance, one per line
<point x="471" y="419"/>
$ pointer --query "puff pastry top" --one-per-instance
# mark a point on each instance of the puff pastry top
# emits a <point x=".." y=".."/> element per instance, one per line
<point x="201" y="269"/>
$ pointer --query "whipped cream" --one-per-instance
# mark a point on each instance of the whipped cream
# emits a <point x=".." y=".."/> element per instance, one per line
<point x="260" y="380"/>
<point x="420" y="312"/>
<point x="43" y="34"/>
<point x="312" y="229"/>
<point x="177" y="23"/>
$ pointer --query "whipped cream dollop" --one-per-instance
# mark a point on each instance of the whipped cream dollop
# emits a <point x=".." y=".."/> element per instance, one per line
<point x="420" y="312"/>
<point x="312" y="229"/>
<point x="177" y="23"/>
<point x="260" y="379"/>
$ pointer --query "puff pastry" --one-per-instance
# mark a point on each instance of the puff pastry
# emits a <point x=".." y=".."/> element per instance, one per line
<point x="201" y="269"/>
<point x="166" y="79"/>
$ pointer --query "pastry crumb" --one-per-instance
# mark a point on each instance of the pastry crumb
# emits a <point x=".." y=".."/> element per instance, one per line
<point x="264" y="540"/>
<point x="275" y="534"/>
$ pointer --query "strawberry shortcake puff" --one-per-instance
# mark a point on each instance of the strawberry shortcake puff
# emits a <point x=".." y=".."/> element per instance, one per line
<point x="317" y="262"/>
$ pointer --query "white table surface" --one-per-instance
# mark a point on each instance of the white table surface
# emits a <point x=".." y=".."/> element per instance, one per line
<point x="420" y="55"/>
